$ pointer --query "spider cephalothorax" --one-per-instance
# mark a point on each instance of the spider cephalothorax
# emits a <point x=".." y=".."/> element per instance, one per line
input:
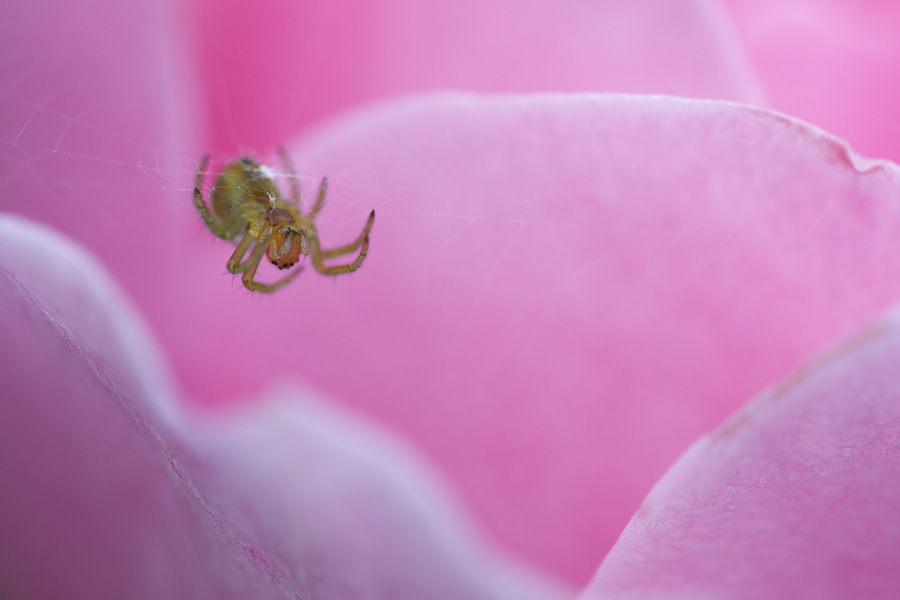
<point x="246" y="204"/>
<point x="288" y="241"/>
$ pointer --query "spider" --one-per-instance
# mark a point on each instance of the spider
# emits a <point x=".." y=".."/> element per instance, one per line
<point x="246" y="202"/>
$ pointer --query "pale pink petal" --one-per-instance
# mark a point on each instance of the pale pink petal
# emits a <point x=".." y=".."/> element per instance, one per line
<point x="561" y="293"/>
<point x="692" y="259"/>
<point x="796" y="496"/>
<point x="110" y="492"/>
<point x="271" y="68"/>
<point x="95" y="501"/>
<point x="833" y="63"/>
<point x="96" y="118"/>
<point x="349" y="512"/>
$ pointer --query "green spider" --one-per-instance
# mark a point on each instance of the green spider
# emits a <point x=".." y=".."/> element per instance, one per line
<point x="246" y="204"/>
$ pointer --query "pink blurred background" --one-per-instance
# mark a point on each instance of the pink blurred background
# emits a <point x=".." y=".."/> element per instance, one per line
<point x="832" y="63"/>
<point x="107" y="109"/>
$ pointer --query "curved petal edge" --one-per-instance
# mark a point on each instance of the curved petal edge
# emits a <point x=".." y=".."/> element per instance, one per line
<point x="111" y="491"/>
<point x="796" y="496"/>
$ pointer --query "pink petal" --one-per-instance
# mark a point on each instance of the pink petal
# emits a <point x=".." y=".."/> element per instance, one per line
<point x="94" y="129"/>
<point x="273" y="68"/>
<point x="96" y="503"/>
<point x="562" y="292"/>
<point x="349" y="511"/>
<point x="796" y="496"/>
<point x="109" y="492"/>
<point x="668" y="233"/>
<point x="833" y="63"/>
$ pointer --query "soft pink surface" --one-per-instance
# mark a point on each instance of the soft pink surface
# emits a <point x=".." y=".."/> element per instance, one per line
<point x="96" y="127"/>
<point x="796" y="496"/>
<point x="833" y="63"/>
<point x="109" y="491"/>
<point x="92" y="504"/>
<point x="271" y="68"/>
<point x="562" y="292"/>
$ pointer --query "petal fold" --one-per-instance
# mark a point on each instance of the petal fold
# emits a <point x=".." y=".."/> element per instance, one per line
<point x="796" y="496"/>
<point x="349" y="511"/>
<point x="562" y="292"/>
<point x="111" y="491"/>
<point x="276" y="67"/>
<point x="96" y="503"/>
<point x="830" y="63"/>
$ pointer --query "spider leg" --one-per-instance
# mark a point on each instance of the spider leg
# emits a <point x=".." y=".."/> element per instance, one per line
<point x="354" y="245"/>
<point x="320" y="200"/>
<point x="338" y="269"/>
<point x="292" y="176"/>
<point x="234" y="263"/>
<point x="363" y="240"/>
<point x="252" y="265"/>
<point x="201" y="205"/>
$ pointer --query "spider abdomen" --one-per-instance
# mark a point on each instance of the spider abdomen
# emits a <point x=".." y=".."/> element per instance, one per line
<point x="241" y="195"/>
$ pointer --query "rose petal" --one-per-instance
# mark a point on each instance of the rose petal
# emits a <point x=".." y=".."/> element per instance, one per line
<point x="349" y="511"/>
<point x="272" y="68"/>
<point x="561" y="293"/>
<point x="831" y="63"/>
<point x="95" y="504"/>
<point x="797" y="496"/>
<point x="109" y="492"/>
<point x="96" y="118"/>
